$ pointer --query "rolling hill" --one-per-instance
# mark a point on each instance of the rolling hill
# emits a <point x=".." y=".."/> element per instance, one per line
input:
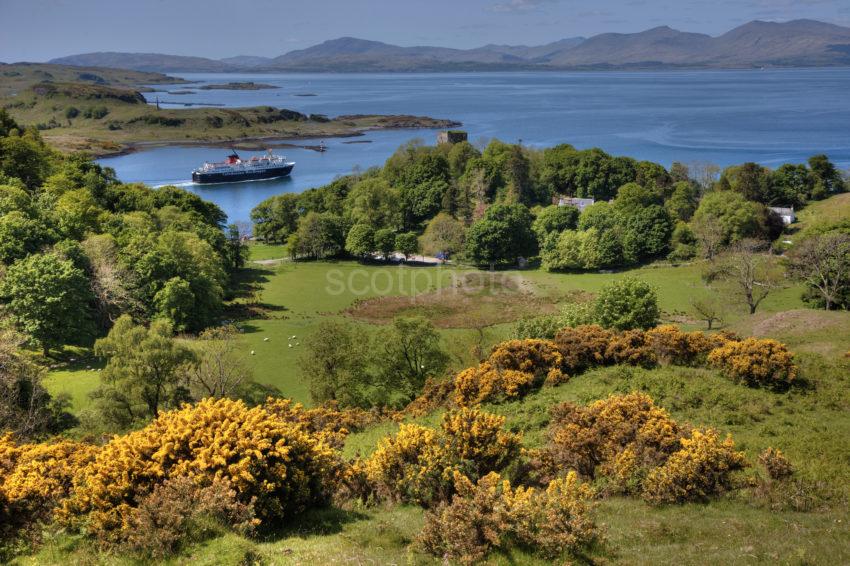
<point x="755" y="44"/>
<point x="147" y="62"/>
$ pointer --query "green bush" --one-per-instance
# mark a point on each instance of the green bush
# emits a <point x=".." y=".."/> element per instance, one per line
<point x="627" y="304"/>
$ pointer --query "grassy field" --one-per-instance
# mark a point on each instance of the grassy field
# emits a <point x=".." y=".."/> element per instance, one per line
<point x="258" y="251"/>
<point x="829" y="211"/>
<point x="473" y="310"/>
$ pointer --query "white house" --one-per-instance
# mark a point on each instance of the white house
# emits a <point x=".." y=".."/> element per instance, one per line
<point x="787" y="214"/>
<point x="579" y="203"/>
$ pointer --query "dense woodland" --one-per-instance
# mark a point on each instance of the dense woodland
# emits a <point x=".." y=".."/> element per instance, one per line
<point x="495" y="206"/>
<point x="182" y="447"/>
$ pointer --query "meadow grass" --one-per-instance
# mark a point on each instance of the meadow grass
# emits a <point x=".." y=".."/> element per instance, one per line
<point x="296" y="296"/>
<point x="258" y="251"/>
<point x="827" y="211"/>
<point x="75" y="383"/>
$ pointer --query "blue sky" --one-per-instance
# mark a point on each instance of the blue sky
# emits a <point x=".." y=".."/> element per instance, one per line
<point x="36" y="30"/>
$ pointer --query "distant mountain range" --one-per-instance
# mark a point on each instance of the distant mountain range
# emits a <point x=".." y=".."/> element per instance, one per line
<point x="796" y="43"/>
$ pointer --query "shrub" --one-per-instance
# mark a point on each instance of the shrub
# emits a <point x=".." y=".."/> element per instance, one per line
<point x="476" y="442"/>
<point x="630" y="348"/>
<point x="435" y="393"/>
<point x="352" y="483"/>
<point x="542" y="327"/>
<point x="474" y="522"/>
<point x="590" y="439"/>
<point x="327" y="421"/>
<point x="701" y="468"/>
<point x="512" y="370"/>
<point x="36" y="478"/>
<point x="538" y="357"/>
<point x="578" y="314"/>
<point x="417" y="464"/>
<point x="407" y="467"/>
<point x="756" y="362"/>
<point x="629" y="445"/>
<point x="273" y="462"/>
<point x="583" y="347"/>
<point x="486" y="383"/>
<point x="490" y="514"/>
<point x="626" y="304"/>
<point x="557" y="520"/>
<point x="673" y="346"/>
<point x="777" y="466"/>
<point x="179" y="511"/>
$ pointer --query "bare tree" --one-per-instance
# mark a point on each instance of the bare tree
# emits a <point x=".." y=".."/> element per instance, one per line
<point x="703" y="173"/>
<point x="219" y="369"/>
<point x="111" y="283"/>
<point x="751" y="273"/>
<point x="708" y="309"/>
<point x="26" y="408"/>
<point x="710" y="236"/>
<point x="823" y="263"/>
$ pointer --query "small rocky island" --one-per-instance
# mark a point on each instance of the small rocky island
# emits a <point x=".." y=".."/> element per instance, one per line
<point x="238" y="86"/>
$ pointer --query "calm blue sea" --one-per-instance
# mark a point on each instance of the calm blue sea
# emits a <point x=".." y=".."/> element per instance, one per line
<point x="725" y="117"/>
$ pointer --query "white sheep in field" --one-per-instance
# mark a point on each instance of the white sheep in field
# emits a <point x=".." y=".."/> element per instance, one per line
<point x="252" y="352"/>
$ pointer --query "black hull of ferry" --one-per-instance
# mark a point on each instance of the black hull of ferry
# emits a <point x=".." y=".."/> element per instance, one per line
<point x="238" y="176"/>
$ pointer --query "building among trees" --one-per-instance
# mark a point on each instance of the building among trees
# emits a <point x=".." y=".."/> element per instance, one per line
<point x="787" y="214"/>
<point x="452" y="137"/>
<point x="579" y="203"/>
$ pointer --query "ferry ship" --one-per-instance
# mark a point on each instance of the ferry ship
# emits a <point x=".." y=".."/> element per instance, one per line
<point x="235" y="169"/>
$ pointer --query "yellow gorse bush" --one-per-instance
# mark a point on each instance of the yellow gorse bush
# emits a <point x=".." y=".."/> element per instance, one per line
<point x="513" y="369"/>
<point x="700" y="469"/>
<point x="328" y="420"/>
<point x="35" y="478"/>
<point x="673" y="346"/>
<point x="404" y="466"/>
<point x="418" y="463"/>
<point x="517" y="367"/>
<point x="486" y="383"/>
<point x="590" y="439"/>
<point x="635" y="447"/>
<point x="537" y="357"/>
<point x="755" y="361"/>
<point x="478" y="439"/>
<point x="274" y="462"/>
<point x="491" y="514"/>
<point x="584" y="347"/>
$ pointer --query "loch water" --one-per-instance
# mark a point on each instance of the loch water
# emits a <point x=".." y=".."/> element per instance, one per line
<point x="720" y="116"/>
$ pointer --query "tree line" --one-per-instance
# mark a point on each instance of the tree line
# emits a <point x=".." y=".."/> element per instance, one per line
<point x="492" y="206"/>
<point x="79" y="248"/>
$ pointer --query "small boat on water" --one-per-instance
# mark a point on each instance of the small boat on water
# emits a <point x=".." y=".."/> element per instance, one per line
<point x="235" y="169"/>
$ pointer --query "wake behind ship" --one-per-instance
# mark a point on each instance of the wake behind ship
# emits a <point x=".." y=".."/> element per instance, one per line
<point x="236" y="169"/>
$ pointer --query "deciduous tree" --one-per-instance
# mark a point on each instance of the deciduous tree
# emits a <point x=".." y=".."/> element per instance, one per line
<point x="411" y="352"/>
<point x="143" y="372"/>
<point x="47" y="298"/>
<point x="822" y="262"/>
<point x="750" y="273"/>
